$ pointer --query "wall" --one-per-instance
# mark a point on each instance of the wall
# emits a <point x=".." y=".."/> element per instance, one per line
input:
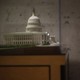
<point x="70" y="31"/>
<point x="14" y="14"/>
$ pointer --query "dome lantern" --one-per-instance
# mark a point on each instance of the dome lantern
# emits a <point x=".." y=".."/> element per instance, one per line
<point x="33" y="12"/>
<point x="33" y="23"/>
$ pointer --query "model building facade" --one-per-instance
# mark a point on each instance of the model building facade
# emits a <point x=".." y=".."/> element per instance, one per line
<point x="32" y="36"/>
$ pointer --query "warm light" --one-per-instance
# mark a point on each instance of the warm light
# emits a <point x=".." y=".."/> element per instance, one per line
<point x="48" y="34"/>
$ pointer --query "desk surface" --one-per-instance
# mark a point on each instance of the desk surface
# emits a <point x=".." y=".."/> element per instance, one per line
<point x="54" y="50"/>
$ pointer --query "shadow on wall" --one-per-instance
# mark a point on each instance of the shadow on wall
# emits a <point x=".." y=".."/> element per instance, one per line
<point x="74" y="70"/>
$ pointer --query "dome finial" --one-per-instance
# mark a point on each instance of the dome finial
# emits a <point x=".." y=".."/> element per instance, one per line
<point x="33" y="11"/>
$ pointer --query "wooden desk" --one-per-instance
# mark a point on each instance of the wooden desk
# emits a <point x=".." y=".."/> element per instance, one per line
<point x="32" y="67"/>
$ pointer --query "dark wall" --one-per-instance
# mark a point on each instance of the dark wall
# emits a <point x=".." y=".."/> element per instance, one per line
<point x="70" y="31"/>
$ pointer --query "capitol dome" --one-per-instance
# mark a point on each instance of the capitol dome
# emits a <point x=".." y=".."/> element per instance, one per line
<point x="33" y="35"/>
<point x="33" y="23"/>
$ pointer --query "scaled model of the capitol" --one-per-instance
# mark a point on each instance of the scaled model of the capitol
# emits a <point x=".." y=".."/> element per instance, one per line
<point x="33" y="35"/>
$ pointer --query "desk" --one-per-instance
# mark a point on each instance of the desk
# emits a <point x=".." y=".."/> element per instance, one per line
<point x="32" y="67"/>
